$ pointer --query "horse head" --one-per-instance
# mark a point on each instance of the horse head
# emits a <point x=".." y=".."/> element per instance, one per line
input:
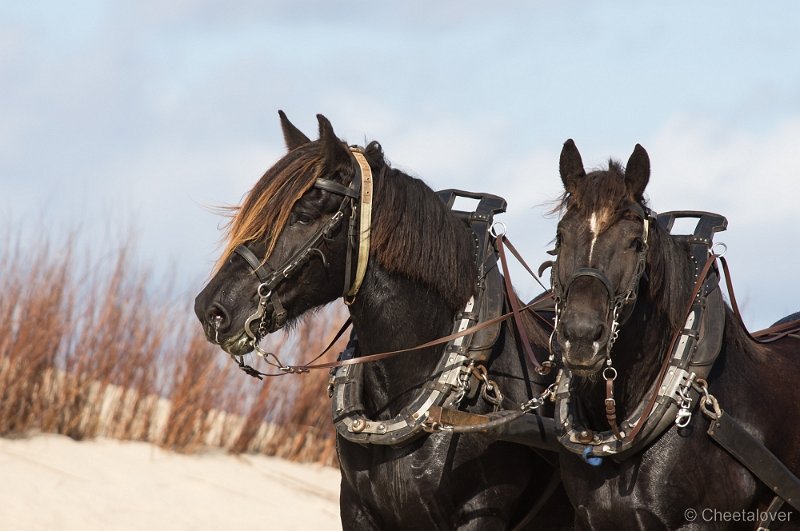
<point x="287" y="243"/>
<point x="602" y="246"/>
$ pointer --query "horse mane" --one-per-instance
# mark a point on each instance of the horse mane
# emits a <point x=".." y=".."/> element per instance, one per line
<point x="413" y="233"/>
<point x="668" y="273"/>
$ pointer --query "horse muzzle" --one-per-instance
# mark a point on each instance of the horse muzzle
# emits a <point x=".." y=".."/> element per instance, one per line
<point x="582" y="341"/>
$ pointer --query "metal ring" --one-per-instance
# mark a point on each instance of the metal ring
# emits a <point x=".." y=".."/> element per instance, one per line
<point x="493" y="230"/>
<point x="263" y="290"/>
<point x="606" y="377"/>
<point x="724" y="249"/>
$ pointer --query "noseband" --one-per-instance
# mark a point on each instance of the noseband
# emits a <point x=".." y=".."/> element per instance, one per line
<point x="269" y="279"/>
<point x="620" y="305"/>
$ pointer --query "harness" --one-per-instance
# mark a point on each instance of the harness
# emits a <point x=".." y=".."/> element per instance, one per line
<point x="460" y="369"/>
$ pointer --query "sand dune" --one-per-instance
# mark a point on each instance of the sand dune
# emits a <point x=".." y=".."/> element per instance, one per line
<point x="52" y="482"/>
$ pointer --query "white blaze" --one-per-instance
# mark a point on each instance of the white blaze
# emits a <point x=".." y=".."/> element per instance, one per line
<point x="595" y="228"/>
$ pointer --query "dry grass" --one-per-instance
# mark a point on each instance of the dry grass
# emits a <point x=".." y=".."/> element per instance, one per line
<point x="91" y="350"/>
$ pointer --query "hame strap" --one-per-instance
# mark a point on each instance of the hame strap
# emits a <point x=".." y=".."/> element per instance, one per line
<point x="365" y="221"/>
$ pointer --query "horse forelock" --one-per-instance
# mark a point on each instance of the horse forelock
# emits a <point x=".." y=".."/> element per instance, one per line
<point x="266" y="208"/>
<point x="602" y="190"/>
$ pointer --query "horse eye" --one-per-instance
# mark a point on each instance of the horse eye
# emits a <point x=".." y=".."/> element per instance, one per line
<point x="637" y="244"/>
<point x="303" y="218"/>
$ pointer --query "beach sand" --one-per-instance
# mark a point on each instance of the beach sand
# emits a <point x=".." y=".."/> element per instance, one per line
<point x="52" y="482"/>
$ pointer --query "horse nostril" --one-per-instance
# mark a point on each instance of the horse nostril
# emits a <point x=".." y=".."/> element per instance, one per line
<point x="577" y="329"/>
<point x="217" y="317"/>
<point x="598" y="332"/>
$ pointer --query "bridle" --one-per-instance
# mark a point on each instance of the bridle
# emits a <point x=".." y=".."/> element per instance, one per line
<point x="620" y="305"/>
<point x="357" y="197"/>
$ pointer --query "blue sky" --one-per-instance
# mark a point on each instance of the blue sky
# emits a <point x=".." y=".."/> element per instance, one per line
<point x="142" y="113"/>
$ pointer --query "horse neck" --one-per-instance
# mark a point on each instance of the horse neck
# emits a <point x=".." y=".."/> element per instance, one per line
<point x="393" y="312"/>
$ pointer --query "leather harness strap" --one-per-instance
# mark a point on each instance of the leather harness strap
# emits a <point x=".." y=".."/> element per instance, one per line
<point x="384" y="355"/>
<point x="756" y="457"/>
<point x="365" y="222"/>
<point x="776" y="331"/>
<point x="514" y="302"/>
<point x="698" y="285"/>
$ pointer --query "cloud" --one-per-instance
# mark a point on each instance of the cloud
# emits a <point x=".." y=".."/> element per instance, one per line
<point x="751" y="178"/>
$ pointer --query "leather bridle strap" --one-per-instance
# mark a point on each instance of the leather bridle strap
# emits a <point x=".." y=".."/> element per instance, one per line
<point x="258" y="267"/>
<point x="335" y="188"/>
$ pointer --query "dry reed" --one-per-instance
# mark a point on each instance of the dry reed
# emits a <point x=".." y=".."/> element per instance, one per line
<point x="91" y="350"/>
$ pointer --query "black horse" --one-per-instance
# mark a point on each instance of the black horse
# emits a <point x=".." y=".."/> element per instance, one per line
<point x="421" y="272"/>
<point x="623" y="284"/>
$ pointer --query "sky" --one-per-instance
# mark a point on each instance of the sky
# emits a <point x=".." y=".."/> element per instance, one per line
<point x="139" y="116"/>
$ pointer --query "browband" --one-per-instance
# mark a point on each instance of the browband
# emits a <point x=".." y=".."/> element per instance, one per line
<point x="334" y="187"/>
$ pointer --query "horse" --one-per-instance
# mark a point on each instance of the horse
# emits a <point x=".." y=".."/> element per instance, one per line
<point x="420" y="272"/>
<point x="623" y="284"/>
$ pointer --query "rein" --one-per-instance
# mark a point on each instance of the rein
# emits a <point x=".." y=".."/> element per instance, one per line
<point x="516" y="311"/>
<point x="306" y="367"/>
<point x="766" y="335"/>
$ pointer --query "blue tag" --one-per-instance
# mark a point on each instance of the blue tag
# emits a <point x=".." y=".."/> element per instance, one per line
<point x="589" y="458"/>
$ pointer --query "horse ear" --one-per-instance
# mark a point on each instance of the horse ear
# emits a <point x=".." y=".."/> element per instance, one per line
<point x="637" y="172"/>
<point x="291" y="134"/>
<point x="570" y="166"/>
<point x="334" y="151"/>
